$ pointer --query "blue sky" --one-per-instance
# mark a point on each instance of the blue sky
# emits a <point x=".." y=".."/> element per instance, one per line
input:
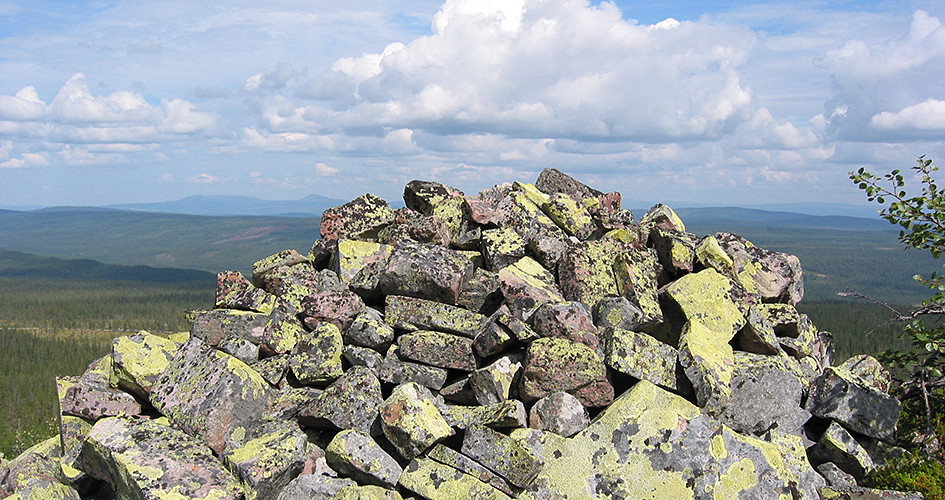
<point x="686" y="103"/>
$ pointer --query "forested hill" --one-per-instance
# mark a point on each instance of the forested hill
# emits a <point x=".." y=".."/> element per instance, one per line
<point x="28" y="266"/>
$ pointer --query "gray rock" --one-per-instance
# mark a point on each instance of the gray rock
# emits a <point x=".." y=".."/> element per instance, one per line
<point x="351" y="402"/>
<point x="839" y="395"/>
<point x="410" y="313"/>
<point x="368" y="329"/>
<point x="645" y="358"/>
<point x="213" y="326"/>
<point x="427" y="272"/>
<point x="359" y="219"/>
<point x="411" y="421"/>
<point x="266" y="463"/>
<point x="560" y="413"/>
<point x="316" y="358"/>
<point x="356" y="455"/>
<point x="362" y="356"/>
<point x="764" y="396"/>
<point x="314" y="487"/>
<point x="458" y="461"/>
<point x="838" y="446"/>
<point x="397" y="371"/>
<point x="501" y="454"/>
<point x="438" y="349"/>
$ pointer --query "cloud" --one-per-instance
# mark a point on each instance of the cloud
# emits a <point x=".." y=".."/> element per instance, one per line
<point x="26" y="160"/>
<point x="324" y="170"/>
<point x="24" y="106"/>
<point x="210" y="179"/>
<point x="928" y="115"/>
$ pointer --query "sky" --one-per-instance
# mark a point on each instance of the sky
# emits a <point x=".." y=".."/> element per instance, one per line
<point x="684" y="103"/>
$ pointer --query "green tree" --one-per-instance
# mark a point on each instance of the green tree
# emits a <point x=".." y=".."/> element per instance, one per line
<point x="922" y="222"/>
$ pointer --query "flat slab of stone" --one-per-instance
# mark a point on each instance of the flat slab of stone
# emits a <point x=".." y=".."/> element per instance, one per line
<point x="427" y="272"/>
<point x="838" y="395"/>
<point x="411" y="421"/>
<point x="443" y="350"/>
<point x="269" y="461"/>
<point x="145" y="460"/>
<point x="359" y="219"/>
<point x="645" y="358"/>
<point x="436" y="481"/>
<point x="553" y="365"/>
<point x="501" y="454"/>
<point x="355" y="454"/>
<point x="411" y="313"/>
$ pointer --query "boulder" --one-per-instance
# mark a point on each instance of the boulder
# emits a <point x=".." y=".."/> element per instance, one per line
<point x="839" y="395"/>
<point x="411" y="421"/>
<point x="427" y="272"/>
<point x="553" y="365"/>
<point x="266" y="463"/>
<point x="356" y="455"/>
<point x="359" y="219"/>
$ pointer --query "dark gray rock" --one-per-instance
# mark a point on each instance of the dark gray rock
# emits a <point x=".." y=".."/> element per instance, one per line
<point x="838" y="395"/>
<point x="501" y="454"/>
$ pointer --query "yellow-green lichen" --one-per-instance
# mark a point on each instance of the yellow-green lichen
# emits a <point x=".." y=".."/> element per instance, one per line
<point x="739" y="477"/>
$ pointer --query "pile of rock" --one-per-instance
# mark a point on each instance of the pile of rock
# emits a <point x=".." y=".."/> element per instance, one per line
<point x="533" y="342"/>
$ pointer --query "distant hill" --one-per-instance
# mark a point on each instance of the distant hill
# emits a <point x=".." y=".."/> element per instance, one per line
<point x="746" y="217"/>
<point x="125" y="237"/>
<point x="24" y="265"/>
<point x="311" y="206"/>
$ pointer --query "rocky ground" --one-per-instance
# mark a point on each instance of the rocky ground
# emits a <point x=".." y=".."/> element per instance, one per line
<point x="534" y="341"/>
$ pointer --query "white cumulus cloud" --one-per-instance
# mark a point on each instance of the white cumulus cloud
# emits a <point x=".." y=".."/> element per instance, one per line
<point x="928" y="115"/>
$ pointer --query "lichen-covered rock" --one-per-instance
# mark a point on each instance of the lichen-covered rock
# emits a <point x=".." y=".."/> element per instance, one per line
<point x="570" y="216"/>
<point x="315" y="487"/>
<point x="709" y="364"/>
<point x="411" y="421"/>
<point x="367" y="492"/>
<point x="553" y="365"/>
<point x="269" y="461"/>
<point x="560" y="413"/>
<point x="352" y="256"/>
<point x="427" y="272"/>
<point x="316" y="358"/>
<point x="457" y="460"/>
<point x="839" y="395"/>
<point x="636" y="272"/>
<point x="338" y="308"/>
<point x="38" y="464"/>
<point x="45" y="490"/>
<point x="758" y="335"/>
<point x="437" y="481"/>
<point x="494" y="383"/>
<point x="527" y="285"/>
<point x="772" y="275"/>
<point x="501" y="247"/>
<point x="508" y="413"/>
<point x="569" y="320"/>
<point x="439" y="349"/>
<point x="764" y="396"/>
<point x="369" y="329"/>
<point x="619" y="314"/>
<point x="209" y="394"/>
<point x="356" y="455"/>
<point x="503" y="330"/>
<point x="143" y="459"/>
<point x="501" y="454"/>
<point x="869" y="371"/>
<point x="838" y="446"/>
<point x="481" y="293"/>
<point x="234" y="291"/>
<point x="652" y="444"/>
<point x="705" y="297"/>
<point x="362" y="356"/>
<point x="411" y="313"/>
<point x="281" y="333"/>
<point x="445" y="202"/>
<point x="661" y="216"/>
<point x="241" y="349"/>
<point x="351" y="402"/>
<point x="92" y="400"/>
<point x="397" y="371"/>
<point x="359" y="219"/>
<point x="213" y="326"/>
<point x="283" y="259"/>
<point x="645" y="358"/>
<point x="676" y="249"/>
<point x="586" y="273"/>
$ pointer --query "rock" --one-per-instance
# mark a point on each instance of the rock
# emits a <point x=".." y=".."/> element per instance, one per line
<point x="764" y="397"/>
<point x="676" y="250"/>
<point x="709" y="364"/>
<point x="38" y="467"/>
<point x="91" y="400"/>
<point x="527" y="285"/>
<point x="316" y="358"/>
<point x="352" y="256"/>
<point x="426" y="272"/>
<point x="570" y="216"/>
<point x="367" y="492"/>
<point x="359" y="219"/>
<point x="636" y="275"/>
<point x="369" y="329"/>
<point x="462" y="463"/>
<point x="552" y="181"/>
<point x="241" y="349"/>
<point x="411" y="421"/>
<point x="758" y="335"/>
<point x="836" y="445"/>
<point x="362" y="356"/>
<point x="143" y="459"/>
<point x="266" y="463"/>
<point x="210" y="394"/>
<point x="705" y="297"/>
<point x="234" y="291"/>
<point x="835" y="476"/>
<point x="481" y="293"/>
<point x="774" y="276"/>
<point x="396" y="371"/>
<point x="410" y="313"/>
<point x="494" y="383"/>
<point x="213" y="326"/>
<point x="645" y="358"/>
<point x="553" y="365"/>
<point x="501" y="247"/>
<point x="869" y="371"/>
<point x="351" y="402"/>
<point x="438" y="349"/>
<point x="838" y="395"/>
<point x="586" y="272"/>
<point x="569" y="320"/>
<point x="502" y="455"/>
<point x="436" y="481"/>
<point x="661" y="216"/>
<point x="337" y="308"/>
<point x="281" y="333"/>
<point x="560" y="413"/>
<point x="314" y="487"/>
<point x="445" y="202"/>
<point x="508" y="413"/>
<point x="356" y="455"/>
<point x="283" y="259"/>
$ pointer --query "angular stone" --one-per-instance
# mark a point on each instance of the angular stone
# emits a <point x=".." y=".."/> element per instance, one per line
<point x="586" y="273"/>
<point x="367" y="492"/>
<point x="352" y="256"/>
<point x="481" y="293"/>
<point x="838" y="446"/>
<point x="315" y="487"/>
<point x="92" y="400"/>
<point x="552" y="181"/>
<point x="494" y="383"/>
<point x="410" y="225"/>
<point x="527" y="285"/>
<point x="501" y="247"/>
<point x="452" y="458"/>
<point x="436" y="481"/>
<point x="774" y="276"/>
<point x="369" y="329"/>
<point x="143" y="459"/>
<point x="860" y="493"/>
<point x="338" y="308"/>
<point x="281" y="333"/>
<point x="502" y="331"/>
<point x="806" y="342"/>
<point x="835" y="476"/>
<point x="652" y="444"/>
<point x="213" y="326"/>
<point x="362" y="356"/>
<point x="234" y="291"/>
<point x="351" y="402"/>
<point x="709" y="365"/>
<point x="508" y="413"/>
<point x="316" y="358"/>
<point x="426" y="272"/>
<point x="643" y="357"/>
<point x="661" y="216"/>
<point x="570" y="216"/>
<point x="209" y="394"/>
<point x="438" y="349"/>
<point x="397" y="371"/>
<point x="569" y="320"/>
<point x="764" y="396"/>
<point x="445" y="202"/>
<point x="241" y="349"/>
<point x="783" y="318"/>
<point x="705" y="297"/>
<point x="618" y="313"/>
<point x="758" y="334"/>
<point x="285" y="258"/>
<point x="560" y="413"/>
<point x="553" y="365"/>
<point x="869" y="371"/>
<point x="45" y="490"/>
<point x="356" y="455"/>
<point x="39" y="462"/>
<point x="138" y="360"/>
<point x="502" y="455"/>
<point x="411" y="421"/>
<point x="839" y="395"/>
<point x="359" y="219"/>
<point x="411" y="313"/>
<point x="459" y="392"/>
<point x="289" y="401"/>
<point x="676" y="250"/>
<point x="266" y="463"/>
